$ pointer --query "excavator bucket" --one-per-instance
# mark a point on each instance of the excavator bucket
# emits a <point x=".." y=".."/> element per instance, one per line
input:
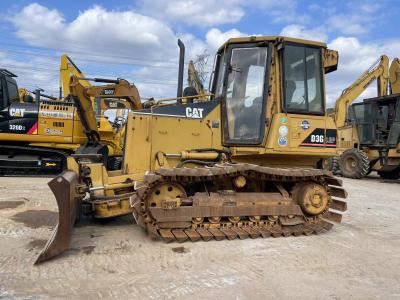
<point x="63" y="188"/>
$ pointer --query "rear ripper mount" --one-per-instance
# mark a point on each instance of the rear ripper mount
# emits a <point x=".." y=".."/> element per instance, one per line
<point x="226" y="201"/>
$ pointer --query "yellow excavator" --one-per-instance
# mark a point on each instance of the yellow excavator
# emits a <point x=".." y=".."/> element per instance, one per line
<point x="394" y="76"/>
<point x="195" y="85"/>
<point x="240" y="164"/>
<point x="367" y="131"/>
<point x="37" y="135"/>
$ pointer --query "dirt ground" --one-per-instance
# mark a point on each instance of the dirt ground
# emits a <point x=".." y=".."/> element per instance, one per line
<point x="358" y="259"/>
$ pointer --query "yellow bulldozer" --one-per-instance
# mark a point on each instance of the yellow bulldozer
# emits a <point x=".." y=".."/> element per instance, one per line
<point x="37" y="134"/>
<point x="241" y="164"/>
<point x="368" y="132"/>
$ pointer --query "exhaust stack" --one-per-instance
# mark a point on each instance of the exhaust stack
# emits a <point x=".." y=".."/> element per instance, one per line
<point x="181" y="45"/>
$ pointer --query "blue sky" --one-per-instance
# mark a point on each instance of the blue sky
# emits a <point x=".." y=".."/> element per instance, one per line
<point x="137" y="39"/>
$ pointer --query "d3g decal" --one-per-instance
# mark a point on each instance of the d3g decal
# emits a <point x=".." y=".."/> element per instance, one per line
<point x="320" y="138"/>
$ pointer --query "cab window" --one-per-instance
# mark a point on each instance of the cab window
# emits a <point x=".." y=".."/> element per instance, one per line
<point x="220" y="76"/>
<point x="13" y="95"/>
<point x="302" y="71"/>
<point x="3" y="99"/>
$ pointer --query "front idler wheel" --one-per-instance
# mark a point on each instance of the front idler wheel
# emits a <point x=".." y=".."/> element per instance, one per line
<point x="313" y="198"/>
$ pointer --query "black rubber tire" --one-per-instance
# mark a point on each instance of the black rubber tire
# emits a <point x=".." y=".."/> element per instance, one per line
<point x="333" y="165"/>
<point x="390" y="175"/>
<point x="354" y="163"/>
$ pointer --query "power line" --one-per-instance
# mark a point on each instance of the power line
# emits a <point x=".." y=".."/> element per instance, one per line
<point x="25" y="70"/>
<point x="96" y="54"/>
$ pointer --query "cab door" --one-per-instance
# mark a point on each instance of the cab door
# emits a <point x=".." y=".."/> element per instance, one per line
<point x="22" y="117"/>
<point x="364" y="116"/>
<point x="394" y="133"/>
<point x="244" y="97"/>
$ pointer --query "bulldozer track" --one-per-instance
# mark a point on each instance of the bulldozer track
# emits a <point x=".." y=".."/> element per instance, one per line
<point x="180" y="229"/>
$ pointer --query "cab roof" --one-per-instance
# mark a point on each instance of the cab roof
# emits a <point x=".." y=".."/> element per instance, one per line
<point x="265" y="38"/>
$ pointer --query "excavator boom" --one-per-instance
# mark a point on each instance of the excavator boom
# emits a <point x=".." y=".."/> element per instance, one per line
<point x="378" y="71"/>
<point x="68" y="69"/>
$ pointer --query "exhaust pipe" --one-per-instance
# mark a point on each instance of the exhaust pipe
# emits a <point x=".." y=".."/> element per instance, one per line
<point x="181" y="45"/>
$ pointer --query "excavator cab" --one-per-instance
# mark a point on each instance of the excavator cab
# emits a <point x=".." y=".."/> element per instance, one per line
<point x="8" y="88"/>
<point x="378" y="122"/>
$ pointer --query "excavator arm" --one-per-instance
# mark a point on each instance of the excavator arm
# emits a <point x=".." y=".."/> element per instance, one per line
<point x="84" y="108"/>
<point x="194" y="79"/>
<point x="120" y="90"/>
<point x="378" y="71"/>
<point x="68" y="69"/>
<point x="394" y="76"/>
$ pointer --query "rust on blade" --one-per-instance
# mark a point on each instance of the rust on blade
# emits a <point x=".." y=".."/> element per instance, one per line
<point x="63" y="188"/>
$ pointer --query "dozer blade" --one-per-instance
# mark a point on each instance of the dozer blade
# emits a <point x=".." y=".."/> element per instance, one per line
<point x="63" y="188"/>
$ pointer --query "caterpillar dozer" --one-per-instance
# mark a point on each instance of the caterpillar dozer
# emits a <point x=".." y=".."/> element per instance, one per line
<point x="38" y="134"/>
<point x="368" y="133"/>
<point x="241" y="164"/>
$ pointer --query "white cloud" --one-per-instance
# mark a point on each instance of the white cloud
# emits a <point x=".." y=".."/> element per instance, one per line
<point x="139" y="40"/>
<point x="202" y="13"/>
<point x="208" y="13"/>
<point x="98" y="37"/>
<point x="95" y="30"/>
<point x="300" y="31"/>
<point x="349" y="24"/>
<point x="31" y="79"/>
<point x="215" y="38"/>
<point x="355" y="57"/>
<point x="147" y="45"/>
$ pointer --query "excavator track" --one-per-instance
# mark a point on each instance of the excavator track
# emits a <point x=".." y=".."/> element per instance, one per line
<point x="231" y="201"/>
<point x="17" y="160"/>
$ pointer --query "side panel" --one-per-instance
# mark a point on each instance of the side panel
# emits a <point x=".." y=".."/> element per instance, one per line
<point x="55" y="120"/>
<point x="22" y="118"/>
<point x="303" y="134"/>
<point x="149" y="135"/>
<point x="137" y="144"/>
<point x="47" y="122"/>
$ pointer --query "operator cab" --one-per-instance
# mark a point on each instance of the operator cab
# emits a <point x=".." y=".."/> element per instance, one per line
<point x="241" y="83"/>
<point x="378" y="121"/>
<point x="8" y="89"/>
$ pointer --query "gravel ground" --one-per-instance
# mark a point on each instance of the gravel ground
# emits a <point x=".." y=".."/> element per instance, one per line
<point x="357" y="259"/>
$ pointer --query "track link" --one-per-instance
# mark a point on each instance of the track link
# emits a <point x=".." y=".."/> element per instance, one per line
<point x="290" y="222"/>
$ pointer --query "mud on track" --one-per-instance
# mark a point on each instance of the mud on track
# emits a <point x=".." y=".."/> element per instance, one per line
<point x="358" y="258"/>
